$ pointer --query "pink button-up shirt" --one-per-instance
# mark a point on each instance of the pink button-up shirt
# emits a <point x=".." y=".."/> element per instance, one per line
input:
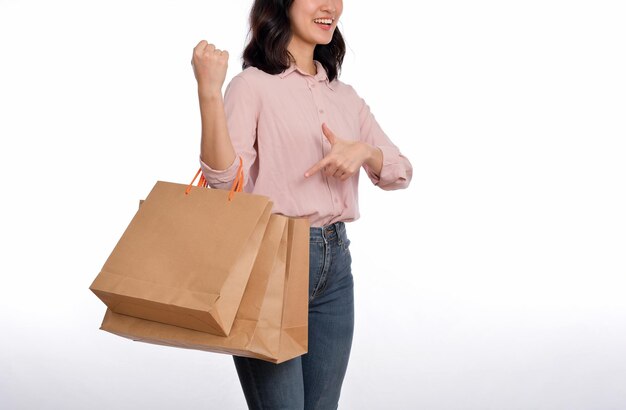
<point x="275" y="125"/>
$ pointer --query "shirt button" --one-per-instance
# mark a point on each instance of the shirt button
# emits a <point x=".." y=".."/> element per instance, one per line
<point x="321" y="111"/>
<point x="312" y="85"/>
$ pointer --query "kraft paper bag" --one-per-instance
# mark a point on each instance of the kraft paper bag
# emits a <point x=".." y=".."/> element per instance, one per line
<point x="185" y="259"/>
<point x="272" y="321"/>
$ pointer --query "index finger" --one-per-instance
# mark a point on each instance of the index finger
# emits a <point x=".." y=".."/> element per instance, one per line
<point x="321" y="164"/>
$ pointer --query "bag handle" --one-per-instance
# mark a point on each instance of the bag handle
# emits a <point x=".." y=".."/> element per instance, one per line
<point x="236" y="187"/>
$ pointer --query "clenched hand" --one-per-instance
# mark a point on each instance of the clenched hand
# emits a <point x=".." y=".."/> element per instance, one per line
<point x="209" y="66"/>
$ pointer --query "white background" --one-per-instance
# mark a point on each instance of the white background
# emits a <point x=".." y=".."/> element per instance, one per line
<point x="497" y="280"/>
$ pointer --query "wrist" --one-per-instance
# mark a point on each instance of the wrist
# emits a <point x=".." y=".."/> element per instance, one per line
<point x="210" y="93"/>
<point x="375" y="157"/>
<point x="370" y="151"/>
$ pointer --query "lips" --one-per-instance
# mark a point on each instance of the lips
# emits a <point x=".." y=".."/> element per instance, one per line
<point x="326" y="27"/>
<point x="324" y="23"/>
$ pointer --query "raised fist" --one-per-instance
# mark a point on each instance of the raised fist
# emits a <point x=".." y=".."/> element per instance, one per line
<point x="209" y="66"/>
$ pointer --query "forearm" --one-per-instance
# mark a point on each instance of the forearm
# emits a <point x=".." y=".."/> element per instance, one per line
<point x="216" y="147"/>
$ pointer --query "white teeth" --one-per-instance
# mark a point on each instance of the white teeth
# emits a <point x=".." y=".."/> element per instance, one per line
<point x="324" y="21"/>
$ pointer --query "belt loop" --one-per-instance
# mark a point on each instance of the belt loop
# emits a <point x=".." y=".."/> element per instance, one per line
<point x="338" y="230"/>
<point x="341" y="231"/>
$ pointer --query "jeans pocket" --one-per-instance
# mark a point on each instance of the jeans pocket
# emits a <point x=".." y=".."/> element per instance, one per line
<point x="317" y="262"/>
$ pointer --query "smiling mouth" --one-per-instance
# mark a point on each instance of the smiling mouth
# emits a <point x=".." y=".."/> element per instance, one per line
<point x="324" y="22"/>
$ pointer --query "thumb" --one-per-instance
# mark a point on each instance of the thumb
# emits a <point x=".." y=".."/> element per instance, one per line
<point x="330" y="136"/>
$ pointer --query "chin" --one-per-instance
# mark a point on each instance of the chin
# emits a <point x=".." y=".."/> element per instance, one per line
<point x="324" y="39"/>
<point x="323" y="43"/>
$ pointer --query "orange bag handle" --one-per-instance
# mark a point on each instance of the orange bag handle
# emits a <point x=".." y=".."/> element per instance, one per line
<point x="236" y="187"/>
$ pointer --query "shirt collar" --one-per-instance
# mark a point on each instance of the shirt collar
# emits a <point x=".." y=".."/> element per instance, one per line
<point x="321" y="75"/>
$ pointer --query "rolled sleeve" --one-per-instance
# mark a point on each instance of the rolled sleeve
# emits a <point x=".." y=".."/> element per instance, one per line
<point x="220" y="179"/>
<point x="241" y="107"/>
<point x="396" y="171"/>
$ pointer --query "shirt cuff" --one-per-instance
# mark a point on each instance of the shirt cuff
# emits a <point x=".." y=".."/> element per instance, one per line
<point x="392" y="169"/>
<point x="220" y="178"/>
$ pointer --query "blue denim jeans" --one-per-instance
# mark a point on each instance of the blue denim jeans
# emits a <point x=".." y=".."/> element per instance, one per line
<point x="313" y="380"/>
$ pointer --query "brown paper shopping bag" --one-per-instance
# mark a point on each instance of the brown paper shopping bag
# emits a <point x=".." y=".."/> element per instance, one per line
<point x="271" y="323"/>
<point x="186" y="257"/>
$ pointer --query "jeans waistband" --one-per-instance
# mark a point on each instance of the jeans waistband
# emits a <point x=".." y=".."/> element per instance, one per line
<point x="332" y="231"/>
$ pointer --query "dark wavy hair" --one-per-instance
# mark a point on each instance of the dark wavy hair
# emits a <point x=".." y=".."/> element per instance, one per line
<point x="271" y="33"/>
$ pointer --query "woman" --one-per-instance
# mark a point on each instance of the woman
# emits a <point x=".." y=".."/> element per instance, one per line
<point x="303" y="136"/>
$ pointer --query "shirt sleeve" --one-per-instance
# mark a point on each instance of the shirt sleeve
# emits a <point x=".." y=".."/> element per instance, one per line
<point x="397" y="171"/>
<point x="241" y="109"/>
